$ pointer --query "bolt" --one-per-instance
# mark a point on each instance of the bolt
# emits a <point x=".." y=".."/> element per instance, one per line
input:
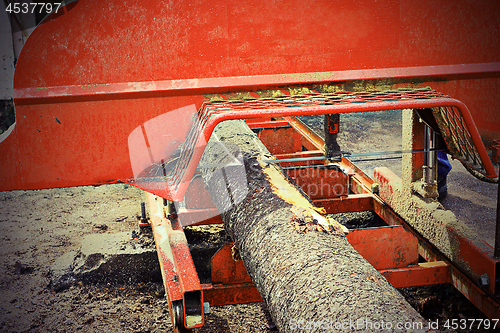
<point x="134" y="235"/>
<point x="484" y="281"/>
<point x="206" y="308"/>
<point x="143" y="211"/>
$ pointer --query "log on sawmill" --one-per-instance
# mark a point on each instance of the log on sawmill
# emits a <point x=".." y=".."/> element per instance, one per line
<point x="308" y="274"/>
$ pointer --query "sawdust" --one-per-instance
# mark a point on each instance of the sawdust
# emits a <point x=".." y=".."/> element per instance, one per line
<point x="427" y="215"/>
<point x="58" y="221"/>
<point x="472" y="201"/>
<point x="357" y="86"/>
<point x="38" y="227"/>
<point x="431" y="220"/>
<point x="307" y="217"/>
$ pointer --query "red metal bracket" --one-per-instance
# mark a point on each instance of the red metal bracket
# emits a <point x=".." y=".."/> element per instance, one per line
<point x="426" y="273"/>
<point x="231" y="283"/>
<point x="396" y="247"/>
<point x="180" y="279"/>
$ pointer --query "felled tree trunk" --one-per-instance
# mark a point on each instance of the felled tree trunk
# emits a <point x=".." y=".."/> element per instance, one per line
<point x="301" y="263"/>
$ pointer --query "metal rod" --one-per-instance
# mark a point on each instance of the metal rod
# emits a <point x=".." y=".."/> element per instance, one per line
<point x="143" y="210"/>
<point x="348" y="155"/>
<point x="430" y="160"/>
<point x="331" y="127"/>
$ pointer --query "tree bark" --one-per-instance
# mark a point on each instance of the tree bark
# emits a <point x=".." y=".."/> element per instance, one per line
<point x="308" y="274"/>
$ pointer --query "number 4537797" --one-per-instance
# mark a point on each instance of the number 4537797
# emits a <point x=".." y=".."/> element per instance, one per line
<point x="33" y="7"/>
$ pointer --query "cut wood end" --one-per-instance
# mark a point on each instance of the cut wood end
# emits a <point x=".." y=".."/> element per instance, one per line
<point x="307" y="217"/>
<point x="307" y="220"/>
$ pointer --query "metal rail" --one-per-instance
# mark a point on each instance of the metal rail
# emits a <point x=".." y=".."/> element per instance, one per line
<point x="127" y="90"/>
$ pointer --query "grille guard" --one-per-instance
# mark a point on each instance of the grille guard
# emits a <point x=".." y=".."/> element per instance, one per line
<point x="169" y="170"/>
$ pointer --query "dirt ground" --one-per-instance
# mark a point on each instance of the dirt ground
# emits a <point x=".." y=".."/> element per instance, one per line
<point x="37" y="227"/>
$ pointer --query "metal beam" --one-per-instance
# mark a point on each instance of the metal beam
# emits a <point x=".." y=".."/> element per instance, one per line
<point x="148" y="89"/>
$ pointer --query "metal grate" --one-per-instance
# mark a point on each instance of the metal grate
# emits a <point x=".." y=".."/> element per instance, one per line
<point x="457" y="137"/>
<point x="212" y="108"/>
<point x="318" y="99"/>
<point x="178" y="171"/>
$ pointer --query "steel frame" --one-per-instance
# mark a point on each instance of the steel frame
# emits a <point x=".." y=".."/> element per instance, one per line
<point x="111" y="91"/>
<point x="182" y="286"/>
<point x="399" y="246"/>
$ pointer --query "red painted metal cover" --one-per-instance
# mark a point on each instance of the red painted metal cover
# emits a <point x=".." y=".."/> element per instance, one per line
<point x="89" y="76"/>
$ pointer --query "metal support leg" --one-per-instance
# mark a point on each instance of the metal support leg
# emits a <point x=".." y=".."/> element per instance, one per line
<point x="180" y="279"/>
<point x="332" y="148"/>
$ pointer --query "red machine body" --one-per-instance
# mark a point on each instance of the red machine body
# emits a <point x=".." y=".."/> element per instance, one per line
<point x="91" y="74"/>
<point x="100" y="72"/>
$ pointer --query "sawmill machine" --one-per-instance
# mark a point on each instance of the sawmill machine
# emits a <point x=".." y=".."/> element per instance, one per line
<point x="131" y="91"/>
